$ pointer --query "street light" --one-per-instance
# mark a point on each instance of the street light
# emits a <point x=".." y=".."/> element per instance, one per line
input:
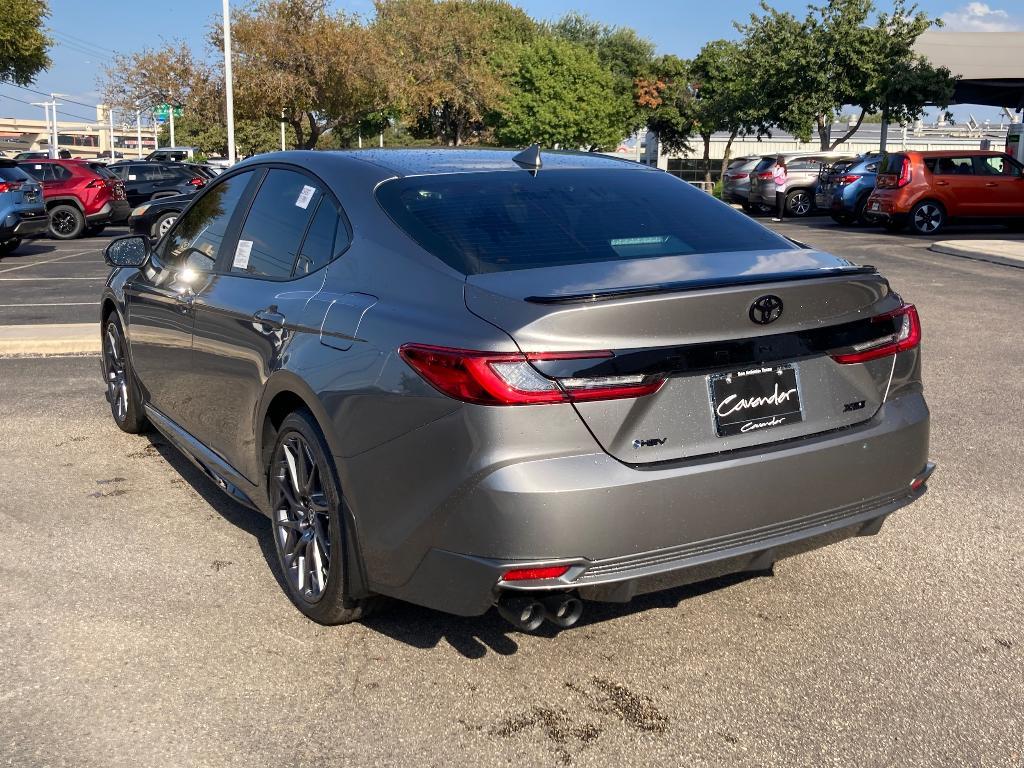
<point x="229" y="90"/>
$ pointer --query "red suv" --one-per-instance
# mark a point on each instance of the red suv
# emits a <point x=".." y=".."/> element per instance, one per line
<point x="927" y="189"/>
<point x="79" y="199"/>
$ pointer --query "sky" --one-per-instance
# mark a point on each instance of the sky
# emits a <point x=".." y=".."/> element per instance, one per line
<point x="89" y="34"/>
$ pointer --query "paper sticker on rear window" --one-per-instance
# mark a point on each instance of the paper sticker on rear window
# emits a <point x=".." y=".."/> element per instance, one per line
<point x="305" y="196"/>
<point x="242" y="251"/>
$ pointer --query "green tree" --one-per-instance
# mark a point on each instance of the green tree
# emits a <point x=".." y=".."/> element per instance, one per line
<point x="669" y="95"/>
<point x="167" y="75"/>
<point x="323" y="69"/>
<point x="452" y="56"/>
<point x="23" y="43"/>
<point x="807" y="70"/>
<point x="620" y="50"/>
<point x="559" y="94"/>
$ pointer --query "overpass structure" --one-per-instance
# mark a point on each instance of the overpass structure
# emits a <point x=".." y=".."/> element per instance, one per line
<point x="81" y="139"/>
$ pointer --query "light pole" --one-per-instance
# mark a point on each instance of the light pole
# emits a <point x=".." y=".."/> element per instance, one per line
<point x="110" y="115"/>
<point x="170" y="113"/>
<point x="229" y="88"/>
<point x="282" y="130"/>
<point x="138" y="130"/>
<point x="49" y="132"/>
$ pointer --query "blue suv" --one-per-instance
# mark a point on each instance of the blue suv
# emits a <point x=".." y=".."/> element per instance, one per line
<point x="844" y="189"/>
<point x="22" y="212"/>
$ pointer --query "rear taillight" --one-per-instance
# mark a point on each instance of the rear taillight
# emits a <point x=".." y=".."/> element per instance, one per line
<point x="905" y="173"/>
<point x="907" y="335"/>
<point x="487" y="378"/>
<point x="197" y="181"/>
<point x="9" y="186"/>
<point x="736" y="176"/>
<point x="849" y="178"/>
<point x="764" y="175"/>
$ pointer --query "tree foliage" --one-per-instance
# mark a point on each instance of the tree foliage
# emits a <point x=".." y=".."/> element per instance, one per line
<point x="807" y="69"/>
<point x="23" y="42"/>
<point x="559" y="94"/>
<point x="170" y="74"/>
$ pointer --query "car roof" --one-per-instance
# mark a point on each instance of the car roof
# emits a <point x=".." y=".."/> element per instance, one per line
<point x="424" y="162"/>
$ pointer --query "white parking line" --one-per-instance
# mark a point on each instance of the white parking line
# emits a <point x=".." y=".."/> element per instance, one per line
<point x="67" y="304"/>
<point x="47" y="261"/>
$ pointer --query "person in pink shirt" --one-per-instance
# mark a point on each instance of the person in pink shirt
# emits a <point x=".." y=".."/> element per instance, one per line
<point x="779" y="176"/>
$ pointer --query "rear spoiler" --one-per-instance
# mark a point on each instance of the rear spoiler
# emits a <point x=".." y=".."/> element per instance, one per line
<point x="699" y="285"/>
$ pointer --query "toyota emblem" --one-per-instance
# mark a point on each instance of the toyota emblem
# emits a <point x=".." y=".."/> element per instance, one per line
<point x="766" y="309"/>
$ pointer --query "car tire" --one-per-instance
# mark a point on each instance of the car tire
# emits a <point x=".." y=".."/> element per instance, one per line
<point x="799" y="203"/>
<point x="9" y="246"/>
<point x="164" y="223"/>
<point x="927" y="218"/>
<point x="307" y="523"/>
<point x="66" y="222"/>
<point x="122" y="391"/>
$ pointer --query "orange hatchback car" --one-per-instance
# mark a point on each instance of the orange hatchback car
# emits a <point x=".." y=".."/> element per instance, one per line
<point x="925" y="190"/>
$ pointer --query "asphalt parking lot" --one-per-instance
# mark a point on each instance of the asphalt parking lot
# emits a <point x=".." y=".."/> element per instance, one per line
<point x="141" y="622"/>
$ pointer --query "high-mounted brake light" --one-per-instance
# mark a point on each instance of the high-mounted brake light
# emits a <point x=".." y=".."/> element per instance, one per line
<point x="906" y="336"/>
<point x="197" y="181"/>
<point x="487" y="378"/>
<point x="528" y="574"/>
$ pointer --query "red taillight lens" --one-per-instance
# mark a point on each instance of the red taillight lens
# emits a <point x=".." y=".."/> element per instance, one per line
<point x="197" y="181"/>
<point x="849" y="178"/>
<point x="528" y="574"/>
<point x="906" y="336"/>
<point x="905" y="173"/>
<point x="736" y="176"/>
<point x="7" y="187"/>
<point x="487" y="378"/>
<point x="764" y="175"/>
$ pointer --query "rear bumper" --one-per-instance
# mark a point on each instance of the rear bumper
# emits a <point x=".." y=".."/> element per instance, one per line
<point x="626" y="531"/>
<point x="24" y="224"/>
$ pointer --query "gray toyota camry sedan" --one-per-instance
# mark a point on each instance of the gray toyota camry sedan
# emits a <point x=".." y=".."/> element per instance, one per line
<point x="480" y="378"/>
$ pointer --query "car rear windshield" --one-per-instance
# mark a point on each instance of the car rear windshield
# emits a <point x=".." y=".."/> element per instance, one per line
<point x="764" y="164"/>
<point x="13" y="173"/>
<point x="891" y="163"/>
<point x="498" y="222"/>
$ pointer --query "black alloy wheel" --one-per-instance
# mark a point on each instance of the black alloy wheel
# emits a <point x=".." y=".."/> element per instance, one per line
<point x="66" y="222"/>
<point x="122" y="394"/>
<point x="307" y="524"/>
<point x="799" y="203"/>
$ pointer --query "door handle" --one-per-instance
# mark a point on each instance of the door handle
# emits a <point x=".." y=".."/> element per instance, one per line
<point x="269" y="317"/>
<point x="184" y="301"/>
<point x="942" y="183"/>
<point x="991" y="184"/>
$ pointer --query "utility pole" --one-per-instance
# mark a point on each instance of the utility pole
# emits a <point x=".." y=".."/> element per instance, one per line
<point x="49" y="131"/>
<point x="282" y="130"/>
<point x="229" y="87"/>
<point x="138" y="130"/>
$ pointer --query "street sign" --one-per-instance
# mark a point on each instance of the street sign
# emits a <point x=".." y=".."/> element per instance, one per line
<point x="163" y="111"/>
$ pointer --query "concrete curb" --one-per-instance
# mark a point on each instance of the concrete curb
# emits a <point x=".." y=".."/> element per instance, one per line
<point x="56" y="339"/>
<point x="1007" y="252"/>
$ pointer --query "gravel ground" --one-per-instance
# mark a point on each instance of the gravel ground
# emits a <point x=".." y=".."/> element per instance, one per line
<point x="140" y="622"/>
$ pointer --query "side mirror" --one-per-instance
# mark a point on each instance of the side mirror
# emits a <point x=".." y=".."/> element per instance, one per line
<point x="130" y="251"/>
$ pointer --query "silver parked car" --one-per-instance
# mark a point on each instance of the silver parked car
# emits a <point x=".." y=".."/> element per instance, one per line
<point x="473" y="378"/>
<point x="802" y="171"/>
<point x="736" y="180"/>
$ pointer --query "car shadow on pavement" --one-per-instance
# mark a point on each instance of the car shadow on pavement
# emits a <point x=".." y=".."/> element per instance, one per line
<point x="473" y="636"/>
<point x="30" y="248"/>
<point x="424" y="628"/>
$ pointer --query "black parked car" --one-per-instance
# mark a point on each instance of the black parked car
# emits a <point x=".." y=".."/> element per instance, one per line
<point x="154" y="218"/>
<point x="145" y="181"/>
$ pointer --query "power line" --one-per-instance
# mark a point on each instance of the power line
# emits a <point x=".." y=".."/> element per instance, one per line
<point x="91" y="120"/>
<point x="43" y="93"/>
<point x="83" y="42"/>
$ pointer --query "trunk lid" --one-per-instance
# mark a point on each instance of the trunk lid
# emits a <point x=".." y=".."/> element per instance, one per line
<point x="688" y="318"/>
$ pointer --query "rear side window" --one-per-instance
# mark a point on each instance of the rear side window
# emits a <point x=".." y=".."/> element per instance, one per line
<point x="497" y="222"/>
<point x="10" y="173"/>
<point x="326" y="238"/>
<point x="275" y="225"/>
<point x="893" y="163"/>
<point x="764" y="164"/>
<point x="954" y="166"/>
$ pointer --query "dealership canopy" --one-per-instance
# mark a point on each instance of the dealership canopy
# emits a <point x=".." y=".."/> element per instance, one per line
<point x="990" y="65"/>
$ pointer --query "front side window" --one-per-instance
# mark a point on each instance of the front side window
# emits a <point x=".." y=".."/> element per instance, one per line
<point x="497" y="222"/>
<point x="996" y="165"/>
<point x="273" y="229"/>
<point x="196" y="238"/>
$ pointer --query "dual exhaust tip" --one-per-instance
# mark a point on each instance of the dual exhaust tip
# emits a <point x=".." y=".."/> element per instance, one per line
<point x="527" y="613"/>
